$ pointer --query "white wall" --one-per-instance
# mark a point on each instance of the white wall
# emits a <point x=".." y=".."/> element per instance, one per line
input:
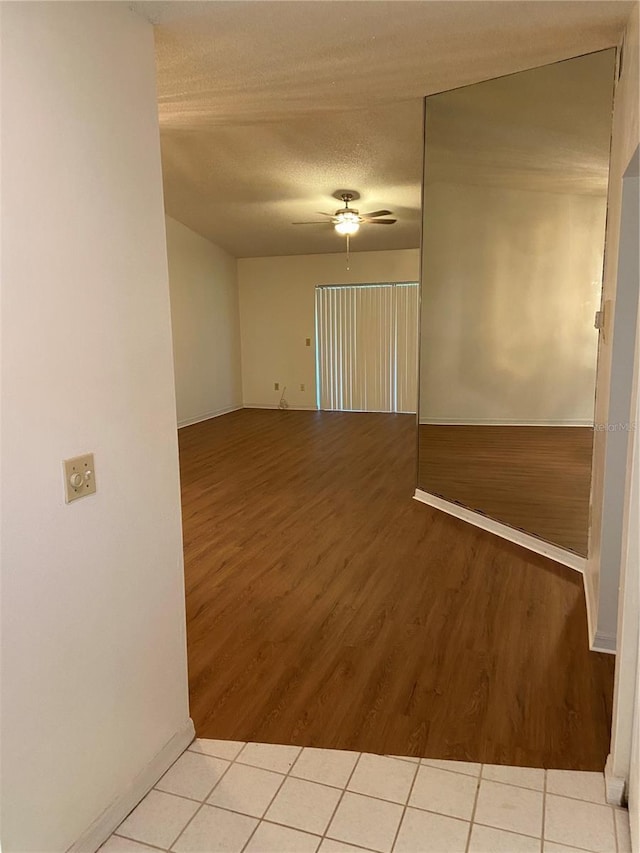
<point x="205" y="321"/>
<point x="621" y="270"/>
<point x="277" y="313"/>
<point x="507" y="323"/>
<point x="610" y="447"/>
<point x="93" y="626"/>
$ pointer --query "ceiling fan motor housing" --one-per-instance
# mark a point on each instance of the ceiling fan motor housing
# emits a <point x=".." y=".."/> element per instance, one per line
<point x="349" y="213"/>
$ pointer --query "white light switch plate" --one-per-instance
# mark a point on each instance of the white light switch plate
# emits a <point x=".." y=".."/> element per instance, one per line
<point x="79" y="477"/>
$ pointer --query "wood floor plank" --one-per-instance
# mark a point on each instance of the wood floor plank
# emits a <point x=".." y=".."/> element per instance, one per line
<point x="326" y="608"/>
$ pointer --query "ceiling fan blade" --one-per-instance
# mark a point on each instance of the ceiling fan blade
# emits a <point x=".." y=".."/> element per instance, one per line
<point x="376" y="213"/>
<point x="317" y="222"/>
<point x="381" y="221"/>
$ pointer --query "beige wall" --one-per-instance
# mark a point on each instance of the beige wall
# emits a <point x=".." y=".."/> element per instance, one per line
<point x="277" y="312"/>
<point x="507" y="323"/>
<point x="205" y="321"/>
<point x="610" y="448"/>
<point x="93" y="626"/>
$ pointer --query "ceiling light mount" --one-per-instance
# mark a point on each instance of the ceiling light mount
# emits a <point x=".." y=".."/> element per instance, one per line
<point x="353" y="195"/>
<point x="347" y="220"/>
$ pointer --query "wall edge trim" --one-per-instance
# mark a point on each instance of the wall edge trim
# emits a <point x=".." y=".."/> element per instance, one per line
<point x="101" y="828"/>
<point x="504" y="422"/>
<point x="531" y="543"/>
<point x="615" y="786"/>
<point x="207" y="416"/>
<point x="604" y="642"/>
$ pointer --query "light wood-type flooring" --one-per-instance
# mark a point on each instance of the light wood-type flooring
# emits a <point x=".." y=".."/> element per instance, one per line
<point x="536" y="479"/>
<point x="327" y="608"/>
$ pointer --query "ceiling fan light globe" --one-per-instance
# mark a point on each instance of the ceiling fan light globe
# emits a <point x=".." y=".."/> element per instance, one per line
<point x="347" y="226"/>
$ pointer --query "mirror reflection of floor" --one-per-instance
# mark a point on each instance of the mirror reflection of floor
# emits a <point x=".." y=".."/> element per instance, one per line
<point x="327" y="608"/>
<point x="534" y="478"/>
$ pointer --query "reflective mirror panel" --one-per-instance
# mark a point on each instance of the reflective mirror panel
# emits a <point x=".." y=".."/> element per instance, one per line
<point x="516" y="174"/>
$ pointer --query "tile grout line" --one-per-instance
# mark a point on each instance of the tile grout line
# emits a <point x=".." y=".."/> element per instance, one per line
<point x="154" y="788"/>
<point x="509" y="831"/>
<point x="168" y="793"/>
<point x="271" y="801"/>
<point x="340" y="798"/>
<point x="473" y="809"/>
<point x="615" y="829"/>
<point x="343" y="790"/>
<point x="202" y="802"/>
<point x="382" y="799"/>
<point x="331" y="788"/>
<point x="434" y="767"/>
<point x="544" y="811"/>
<point x="405" y="807"/>
<point x="135" y="841"/>
<point x="231" y="761"/>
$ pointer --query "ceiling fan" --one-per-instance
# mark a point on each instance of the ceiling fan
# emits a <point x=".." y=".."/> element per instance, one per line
<point x="347" y="220"/>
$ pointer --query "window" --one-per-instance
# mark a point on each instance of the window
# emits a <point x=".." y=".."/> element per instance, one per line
<point x="367" y="347"/>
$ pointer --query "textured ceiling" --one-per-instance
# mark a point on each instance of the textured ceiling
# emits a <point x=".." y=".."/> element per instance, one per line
<point x="266" y="108"/>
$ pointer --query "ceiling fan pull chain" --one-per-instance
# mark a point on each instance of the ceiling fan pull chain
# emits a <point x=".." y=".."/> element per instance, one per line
<point x="347" y="251"/>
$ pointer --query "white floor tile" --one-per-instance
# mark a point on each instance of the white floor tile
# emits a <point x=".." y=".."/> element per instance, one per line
<point x="114" y="844"/>
<point x="485" y="839"/>
<point x="622" y="830"/>
<point x="447" y="793"/>
<point x="246" y="789"/>
<point x="330" y="846"/>
<point x="425" y="832"/>
<point x="579" y="824"/>
<point x="215" y="831"/>
<point x="466" y="767"/>
<point x="193" y="775"/>
<point x="510" y="808"/>
<point x="304" y="805"/>
<point x="218" y="748"/>
<point x="269" y="756"/>
<point x="380" y="776"/>
<point x="365" y="822"/>
<point x="329" y="766"/>
<point x="270" y="838"/>
<point x="552" y="847"/>
<point x="409" y="758"/>
<point x="158" y="819"/>
<point x="524" y="777"/>
<point x="578" y="784"/>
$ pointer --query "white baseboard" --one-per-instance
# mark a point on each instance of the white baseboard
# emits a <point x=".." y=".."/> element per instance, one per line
<point x="113" y="815"/>
<point x="603" y="642"/>
<point x="276" y="406"/>
<point x="207" y="416"/>
<point x="502" y="422"/>
<point x="531" y="543"/>
<point x="615" y="786"/>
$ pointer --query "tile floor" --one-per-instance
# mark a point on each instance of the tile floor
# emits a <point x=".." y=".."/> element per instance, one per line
<point x="228" y="797"/>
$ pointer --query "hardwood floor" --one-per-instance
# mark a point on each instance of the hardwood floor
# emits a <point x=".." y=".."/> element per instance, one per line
<point x="326" y="608"/>
<point x="536" y="479"/>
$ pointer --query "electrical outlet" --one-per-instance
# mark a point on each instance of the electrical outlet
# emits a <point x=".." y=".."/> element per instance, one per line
<point x="307" y="342"/>
<point x="302" y="386"/>
<point x="276" y="386"/>
<point x="79" y="477"/>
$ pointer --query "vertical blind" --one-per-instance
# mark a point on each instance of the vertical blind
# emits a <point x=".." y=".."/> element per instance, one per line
<point x="367" y="338"/>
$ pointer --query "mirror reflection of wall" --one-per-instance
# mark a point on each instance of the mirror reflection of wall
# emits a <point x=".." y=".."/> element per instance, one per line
<point x="516" y="174"/>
